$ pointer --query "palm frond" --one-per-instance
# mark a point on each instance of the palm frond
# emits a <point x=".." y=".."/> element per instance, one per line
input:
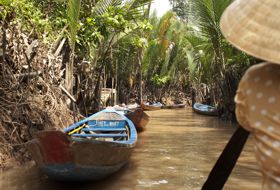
<point x="138" y="3"/>
<point x="137" y="8"/>
<point x="102" y="6"/>
<point x="73" y="13"/>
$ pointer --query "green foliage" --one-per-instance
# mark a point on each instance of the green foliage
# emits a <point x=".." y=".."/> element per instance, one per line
<point x="103" y="6"/>
<point x="206" y="39"/>
<point x="36" y="16"/>
<point x="73" y="13"/>
<point x="140" y="42"/>
<point x="107" y="23"/>
<point x="5" y="2"/>
<point x="166" y="54"/>
<point x="30" y="16"/>
<point x="160" y="80"/>
<point x="192" y="67"/>
<point x="214" y="54"/>
<point x="5" y="8"/>
<point x="96" y="29"/>
<point x="182" y="8"/>
<point x="55" y="11"/>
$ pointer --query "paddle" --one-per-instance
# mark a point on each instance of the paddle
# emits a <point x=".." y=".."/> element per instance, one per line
<point x="225" y="163"/>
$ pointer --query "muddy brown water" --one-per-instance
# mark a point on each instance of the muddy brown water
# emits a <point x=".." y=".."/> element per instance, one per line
<point x="176" y="152"/>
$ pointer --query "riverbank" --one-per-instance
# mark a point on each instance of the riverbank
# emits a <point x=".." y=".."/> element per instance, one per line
<point x="28" y="105"/>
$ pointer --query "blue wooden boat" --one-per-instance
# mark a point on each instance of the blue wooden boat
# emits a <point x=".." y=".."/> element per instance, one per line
<point x="90" y="149"/>
<point x="205" y="109"/>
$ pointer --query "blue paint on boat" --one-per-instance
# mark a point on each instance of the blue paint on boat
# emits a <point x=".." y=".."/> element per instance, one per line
<point x="100" y="135"/>
<point x="103" y="129"/>
<point x="88" y="157"/>
<point x="205" y="109"/>
<point x="133" y="132"/>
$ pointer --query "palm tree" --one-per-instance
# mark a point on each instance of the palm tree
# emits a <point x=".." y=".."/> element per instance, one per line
<point x="112" y="20"/>
<point x="159" y="43"/>
<point x="73" y="19"/>
<point x="165" y="60"/>
<point x="218" y="62"/>
<point x="208" y="14"/>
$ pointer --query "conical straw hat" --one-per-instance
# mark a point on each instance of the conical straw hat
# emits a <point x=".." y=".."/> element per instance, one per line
<point x="253" y="26"/>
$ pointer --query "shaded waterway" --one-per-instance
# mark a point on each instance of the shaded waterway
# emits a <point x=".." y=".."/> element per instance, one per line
<point x="176" y="152"/>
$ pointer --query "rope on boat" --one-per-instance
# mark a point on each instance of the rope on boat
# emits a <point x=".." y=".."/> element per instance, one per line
<point x="77" y="129"/>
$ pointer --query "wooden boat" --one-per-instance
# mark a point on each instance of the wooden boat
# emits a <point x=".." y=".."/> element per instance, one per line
<point x="121" y="109"/>
<point x="151" y="107"/>
<point x="205" y="109"/>
<point x="88" y="150"/>
<point x="133" y="106"/>
<point x="173" y="106"/>
<point x="126" y="108"/>
<point x="139" y="118"/>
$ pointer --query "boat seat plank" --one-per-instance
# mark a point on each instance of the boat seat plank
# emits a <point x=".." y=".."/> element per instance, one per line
<point x="100" y="135"/>
<point x="98" y="124"/>
<point x="103" y="129"/>
<point x="91" y="122"/>
<point x="107" y="125"/>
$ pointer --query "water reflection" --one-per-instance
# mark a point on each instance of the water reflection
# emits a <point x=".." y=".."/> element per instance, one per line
<point x="176" y="152"/>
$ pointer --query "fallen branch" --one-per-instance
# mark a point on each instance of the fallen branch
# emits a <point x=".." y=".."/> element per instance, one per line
<point x="58" y="50"/>
<point x="67" y="93"/>
<point x="35" y="73"/>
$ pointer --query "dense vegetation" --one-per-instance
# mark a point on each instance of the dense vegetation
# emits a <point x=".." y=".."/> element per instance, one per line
<point x="48" y="48"/>
<point x="212" y="61"/>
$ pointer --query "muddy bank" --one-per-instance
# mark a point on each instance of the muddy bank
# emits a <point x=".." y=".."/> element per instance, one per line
<point x="30" y="97"/>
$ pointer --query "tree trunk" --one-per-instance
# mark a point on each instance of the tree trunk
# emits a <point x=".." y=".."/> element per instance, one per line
<point x="140" y="52"/>
<point x="4" y="44"/>
<point x="97" y="91"/>
<point x="69" y="73"/>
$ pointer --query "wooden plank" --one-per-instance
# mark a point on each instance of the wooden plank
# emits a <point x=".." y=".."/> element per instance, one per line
<point x="100" y="135"/>
<point x="108" y="125"/>
<point x="103" y="129"/>
<point x="67" y="93"/>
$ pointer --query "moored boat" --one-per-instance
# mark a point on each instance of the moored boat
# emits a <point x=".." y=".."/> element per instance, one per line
<point x="173" y="106"/>
<point x="120" y="109"/>
<point x="139" y="118"/>
<point x="133" y="106"/>
<point x="205" y="109"/>
<point x="151" y="107"/>
<point x="87" y="150"/>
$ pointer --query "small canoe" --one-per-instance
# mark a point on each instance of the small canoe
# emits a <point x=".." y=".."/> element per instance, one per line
<point x="121" y="109"/>
<point x="205" y="109"/>
<point x="139" y="118"/>
<point x="174" y="106"/>
<point x="90" y="149"/>
<point x="133" y="106"/>
<point x="151" y="107"/>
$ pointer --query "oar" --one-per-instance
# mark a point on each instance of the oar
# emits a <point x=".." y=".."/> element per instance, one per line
<point x="227" y="160"/>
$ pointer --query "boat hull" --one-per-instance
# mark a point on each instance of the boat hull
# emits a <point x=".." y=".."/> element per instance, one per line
<point x="146" y="107"/>
<point x="139" y="118"/>
<point x="69" y="158"/>
<point x="74" y="172"/>
<point x="174" y="106"/>
<point x="205" y="109"/>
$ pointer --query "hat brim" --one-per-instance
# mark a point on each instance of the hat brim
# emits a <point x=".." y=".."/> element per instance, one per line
<point x="253" y="26"/>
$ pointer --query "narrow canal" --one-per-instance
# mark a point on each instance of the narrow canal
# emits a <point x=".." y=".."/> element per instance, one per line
<point x="176" y="152"/>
